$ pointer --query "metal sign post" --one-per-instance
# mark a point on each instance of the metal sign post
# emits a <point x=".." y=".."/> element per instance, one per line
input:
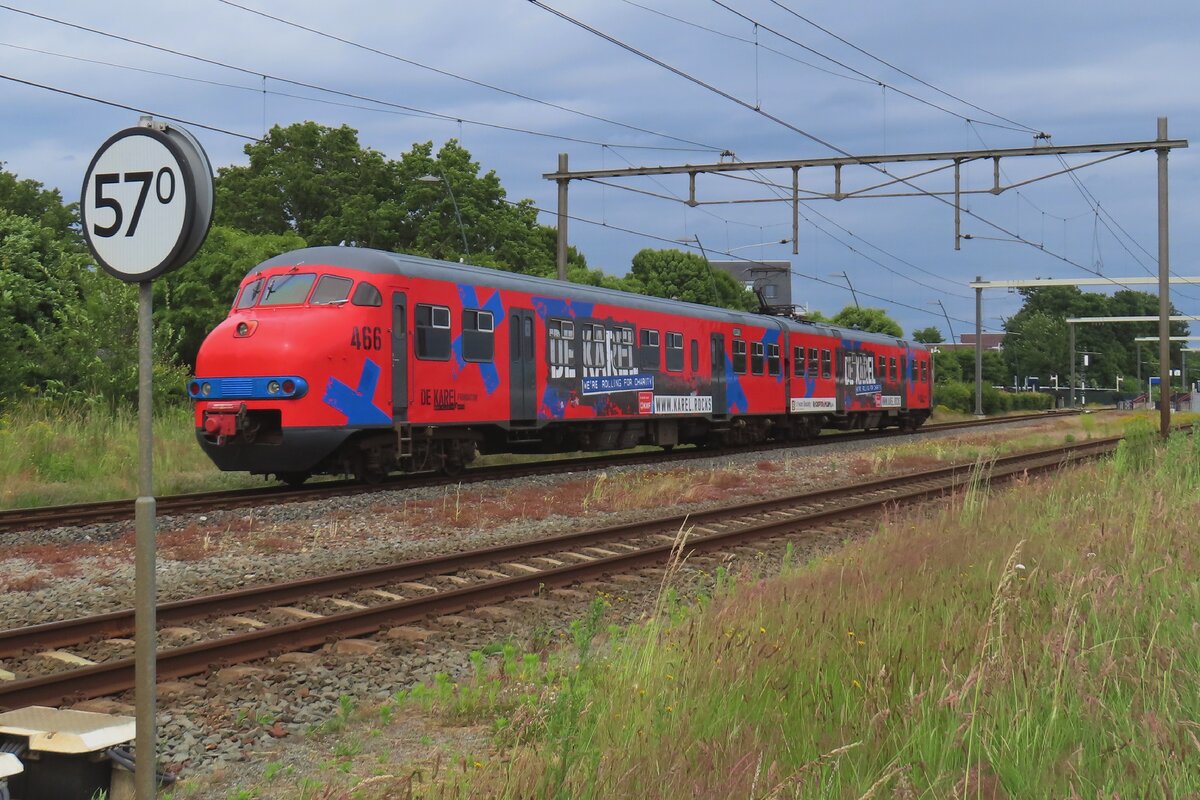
<point x="146" y="208"/>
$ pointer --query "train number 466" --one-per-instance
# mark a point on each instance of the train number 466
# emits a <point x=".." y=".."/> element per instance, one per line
<point x="366" y="338"/>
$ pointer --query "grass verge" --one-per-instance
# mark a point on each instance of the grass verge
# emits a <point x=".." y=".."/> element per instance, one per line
<point x="58" y="453"/>
<point x="1039" y="643"/>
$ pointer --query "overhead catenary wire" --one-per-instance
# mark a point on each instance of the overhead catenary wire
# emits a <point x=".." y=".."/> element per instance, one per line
<point x="456" y="76"/>
<point x="343" y="93"/>
<point x="114" y="104"/>
<point x="872" y="78"/>
<point x="902" y="71"/>
<point x="675" y="242"/>
<point x="736" y="38"/>
<point x="812" y="224"/>
<point x="1016" y="238"/>
<point x="1094" y="208"/>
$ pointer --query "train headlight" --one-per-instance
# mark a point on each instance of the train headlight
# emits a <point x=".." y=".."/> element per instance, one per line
<point x="289" y="386"/>
<point x="194" y="388"/>
<point x="245" y="328"/>
<point x="206" y="388"/>
<point x="273" y="387"/>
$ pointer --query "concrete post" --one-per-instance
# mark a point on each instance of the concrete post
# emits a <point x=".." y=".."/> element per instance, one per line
<point x="1164" y="288"/>
<point x="978" y="348"/>
<point x="562" y="218"/>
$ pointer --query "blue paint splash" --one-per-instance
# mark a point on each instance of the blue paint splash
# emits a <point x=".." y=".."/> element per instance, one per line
<point x="560" y="307"/>
<point x="470" y="300"/>
<point x="358" y="404"/>
<point x="735" y="395"/>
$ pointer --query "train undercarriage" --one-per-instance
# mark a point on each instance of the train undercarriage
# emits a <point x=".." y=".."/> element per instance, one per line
<point x="373" y="454"/>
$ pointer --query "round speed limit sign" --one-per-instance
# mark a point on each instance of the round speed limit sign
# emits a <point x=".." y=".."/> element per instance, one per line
<point x="147" y="201"/>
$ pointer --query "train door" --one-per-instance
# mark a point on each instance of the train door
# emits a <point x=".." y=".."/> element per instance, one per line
<point x="718" y="375"/>
<point x="399" y="356"/>
<point x="522" y="365"/>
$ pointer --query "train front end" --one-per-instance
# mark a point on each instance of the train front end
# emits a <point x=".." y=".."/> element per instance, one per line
<point x="294" y="375"/>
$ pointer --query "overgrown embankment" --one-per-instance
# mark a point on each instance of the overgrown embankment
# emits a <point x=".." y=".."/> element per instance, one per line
<point x="1044" y="642"/>
<point x="72" y="452"/>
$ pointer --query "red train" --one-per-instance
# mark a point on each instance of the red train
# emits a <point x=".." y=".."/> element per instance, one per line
<point x="350" y="361"/>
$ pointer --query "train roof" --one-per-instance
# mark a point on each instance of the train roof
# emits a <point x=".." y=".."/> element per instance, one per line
<point x="385" y="263"/>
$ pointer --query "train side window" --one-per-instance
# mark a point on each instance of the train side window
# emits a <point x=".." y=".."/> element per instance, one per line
<point x="924" y="371"/>
<point x="756" y="358"/>
<point x="648" y="352"/>
<point x="772" y="359"/>
<point x="433" y="332"/>
<point x="288" y="290"/>
<point x="330" y="290"/>
<point x="881" y="373"/>
<point x="562" y="342"/>
<point x="695" y="356"/>
<point x="892" y="368"/>
<point x="478" y="336"/>
<point x="593" y="345"/>
<point x="366" y="294"/>
<point x="249" y="295"/>
<point x="674" y="351"/>
<point x="739" y="356"/>
<point x="826" y="364"/>
<point x="798" y="361"/>
<point x="811" y="369"/>
<point x="623" y="348"/>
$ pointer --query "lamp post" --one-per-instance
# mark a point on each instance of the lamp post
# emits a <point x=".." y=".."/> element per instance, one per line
<point x="848" y="283"/>
<point x="704" y="253"/>
<point x="939" y="303"/>
<point x="441" y="179"/>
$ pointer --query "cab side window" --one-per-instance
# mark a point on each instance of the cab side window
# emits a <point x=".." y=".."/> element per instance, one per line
<point x="331" y="289"/>
<point x="366" y="294"/>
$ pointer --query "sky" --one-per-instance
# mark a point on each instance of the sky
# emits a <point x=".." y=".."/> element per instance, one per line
<point x="673" y="82"/>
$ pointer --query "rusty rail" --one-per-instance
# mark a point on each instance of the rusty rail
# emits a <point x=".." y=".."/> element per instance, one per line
<point x="117" y="676"/>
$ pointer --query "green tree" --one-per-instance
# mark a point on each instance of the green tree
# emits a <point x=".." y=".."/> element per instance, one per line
<point x="28" y="198"/>
<point x="688" y="277"/>
<point x="1037" y="343"/>
<point x="97" y="346"/>
<point x="192" y="300"/>
<point x="39" y="277"/>
<point x="317" y="182"/>
<point x="320" y="183"/>
<point x="930" y="335"/>
<point x="993" y="363"/>
<point x="872" y="320"/>
<point x="946" y="368"/>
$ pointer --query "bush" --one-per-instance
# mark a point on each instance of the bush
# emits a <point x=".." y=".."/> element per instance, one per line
<point x="961" y="397"/>
<point x="955" y="396"/>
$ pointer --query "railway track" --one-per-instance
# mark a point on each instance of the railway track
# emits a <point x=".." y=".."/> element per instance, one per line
<point x="121" y="510"/>
<point x="234" y="627"/>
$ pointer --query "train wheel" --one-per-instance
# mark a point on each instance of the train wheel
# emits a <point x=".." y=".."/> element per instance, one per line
<point x="294" y="479"/>
<point x="371" y="477"/>
<point x="453" y="469"/>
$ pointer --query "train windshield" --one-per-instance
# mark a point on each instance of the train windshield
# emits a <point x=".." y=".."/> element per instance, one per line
<point x="331" y="290"/>
<point x="285" y="290"/>
<point x="250" y="294"/>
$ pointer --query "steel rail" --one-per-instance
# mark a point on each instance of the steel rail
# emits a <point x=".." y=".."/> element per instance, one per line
<point x="117" y="676"/>
<point x="32" y="518"/>
<point x="120" y="623"/>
